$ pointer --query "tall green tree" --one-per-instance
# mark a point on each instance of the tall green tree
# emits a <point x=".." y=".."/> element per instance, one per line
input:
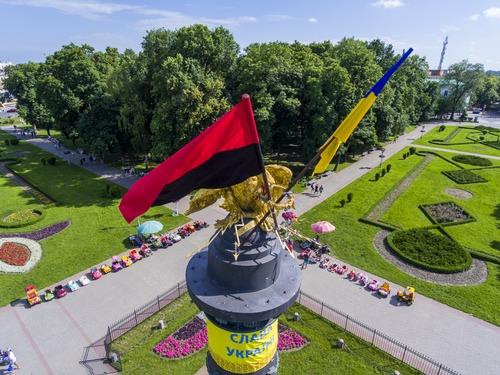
<point x="189" y="99"/>
<point x="24" y="82"/>
<point x="462" y="78"/>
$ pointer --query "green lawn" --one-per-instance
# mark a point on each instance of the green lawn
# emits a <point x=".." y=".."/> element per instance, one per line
<point x="460" y="137"/>
<point x="347" y="244"/>
<point x="479" y="234"/>
<point x="97" y="230"/>
<point x="316" y="358"/>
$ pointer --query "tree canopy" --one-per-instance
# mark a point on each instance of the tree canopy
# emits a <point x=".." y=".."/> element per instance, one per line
<point x="155" y="100"/>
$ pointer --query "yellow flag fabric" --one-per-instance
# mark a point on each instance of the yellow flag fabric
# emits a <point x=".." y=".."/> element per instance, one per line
<point x="242" y="352"/>
<point x="343" y="132"/>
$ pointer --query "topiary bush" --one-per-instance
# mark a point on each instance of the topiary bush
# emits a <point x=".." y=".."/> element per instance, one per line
<point x="349" y="197"/>
<point x="429" y="251"/>
<point x="464" y="176"/>
<point x="377" y="176"/>
<point x="441" y="128"/>
<point x="6" y="141"/>
<point x="342" y="202"/>
<point x="14" y="142"/>
<point x="383" y="172"/>
<point x="388" y="168"/>
<point x="404" y="155"/>
<point x="472" y="160"/>
<point x="412" y="150"/>
<point x="51" y="161"/>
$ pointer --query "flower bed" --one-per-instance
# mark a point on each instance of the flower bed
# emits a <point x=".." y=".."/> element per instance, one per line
<point x="464" y="176"/>
<point x="192" y="337"/>
<point x="289" y="339"/>
<point x="14" y="254"/>
<point x="14" y="219"/>
<point x="187" y="340"/>
<point x="446" y="212"/>
<point x="41" y="233"/>
<point x="18" y="255"/>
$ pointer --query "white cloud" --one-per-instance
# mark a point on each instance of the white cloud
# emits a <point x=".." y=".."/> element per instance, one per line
<point x="312" y="20"/>
<point x="388" y="3"/>
<point x="474" y="17"/>
<point x="277" y="17"/>
<point x="493" y="12"/>
<point x="154" y="18"/>
<point x="88" y="9"/>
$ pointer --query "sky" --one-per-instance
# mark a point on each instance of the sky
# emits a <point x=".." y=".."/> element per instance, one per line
<point x="33" y="29"/>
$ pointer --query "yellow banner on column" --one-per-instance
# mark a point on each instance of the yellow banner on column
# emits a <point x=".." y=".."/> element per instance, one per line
<point x="239" y="352"/>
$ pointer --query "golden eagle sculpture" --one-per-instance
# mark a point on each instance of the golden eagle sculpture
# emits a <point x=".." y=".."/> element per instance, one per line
<point x="248" y="199"/>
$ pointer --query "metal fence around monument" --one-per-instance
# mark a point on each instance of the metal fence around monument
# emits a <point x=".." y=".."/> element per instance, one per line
<point x="370" y="335"/>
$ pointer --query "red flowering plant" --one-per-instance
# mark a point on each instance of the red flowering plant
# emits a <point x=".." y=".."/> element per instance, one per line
<point x="14" y="254"/>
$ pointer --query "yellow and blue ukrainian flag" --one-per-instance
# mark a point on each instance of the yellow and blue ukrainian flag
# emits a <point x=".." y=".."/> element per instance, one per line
<point x="347" y="127"/>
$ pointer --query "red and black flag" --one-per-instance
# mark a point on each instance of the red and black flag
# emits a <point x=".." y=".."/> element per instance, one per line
<point x="224" y="154"/>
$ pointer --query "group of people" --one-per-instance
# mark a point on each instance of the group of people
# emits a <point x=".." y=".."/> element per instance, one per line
<point x="25" y="132"/>
<point x="316" y="188"/>
<point x="8" y="358"/>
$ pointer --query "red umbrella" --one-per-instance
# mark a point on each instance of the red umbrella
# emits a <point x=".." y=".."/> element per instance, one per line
<point x="322" y="227"/>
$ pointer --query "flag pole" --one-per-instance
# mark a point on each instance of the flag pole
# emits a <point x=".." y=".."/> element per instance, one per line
<point x="264" y="173"/>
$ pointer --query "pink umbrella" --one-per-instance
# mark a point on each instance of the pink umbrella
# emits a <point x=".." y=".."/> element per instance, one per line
<point x="322" y="227"/>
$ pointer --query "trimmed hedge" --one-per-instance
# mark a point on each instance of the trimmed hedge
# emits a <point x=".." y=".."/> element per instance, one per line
<point x="472" y="160"/>
<point x="39" y="215"/>
<point x="464" y="176"/>
<point x="429" y="251"/>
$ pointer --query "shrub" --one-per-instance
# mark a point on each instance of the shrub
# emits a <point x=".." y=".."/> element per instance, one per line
<point x="441" y="128"/>
<point x="377" y="176"/>
<point x="429" y="251"/>
<point x="464" y="176"/>
<point x="388" y="168"/>
<point x="472" y="160"/>
<point x="481" y="138"/>
<point x="7" y="141"/>
<point x="383" y="172"/>
<point x="43" y="161"/>
<point x="404" y="155"/>
<point x="342" y="202"/>
<point x="112" y="191"/>
<point x="52" y="160"/>
<point x="412" y="150"/>
<point x="14" y="142"/>
<point x="349" y="197"/>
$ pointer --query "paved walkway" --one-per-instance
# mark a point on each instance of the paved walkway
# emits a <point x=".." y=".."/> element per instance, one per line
<point x="51" y="338"/>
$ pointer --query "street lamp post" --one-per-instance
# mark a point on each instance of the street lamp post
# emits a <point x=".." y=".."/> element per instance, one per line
<point x="381" y="156"/>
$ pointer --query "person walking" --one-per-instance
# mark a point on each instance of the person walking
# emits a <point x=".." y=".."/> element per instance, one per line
<point x="316" y="188"/>
<point x="312" y="187"/>
<point x="306" y="261"/>
<point x="321" y="189"/>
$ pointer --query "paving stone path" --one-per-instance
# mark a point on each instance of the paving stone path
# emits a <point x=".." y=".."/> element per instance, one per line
<point x="385" y="203"/>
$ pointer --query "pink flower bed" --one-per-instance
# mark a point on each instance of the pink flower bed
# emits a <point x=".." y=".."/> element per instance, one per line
<point x="289" y="339"/>
<point x="192" y="337"/>
<point x="187" y="340"/>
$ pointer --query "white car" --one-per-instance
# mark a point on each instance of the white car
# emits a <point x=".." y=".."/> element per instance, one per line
<point x="84" y="280"/>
